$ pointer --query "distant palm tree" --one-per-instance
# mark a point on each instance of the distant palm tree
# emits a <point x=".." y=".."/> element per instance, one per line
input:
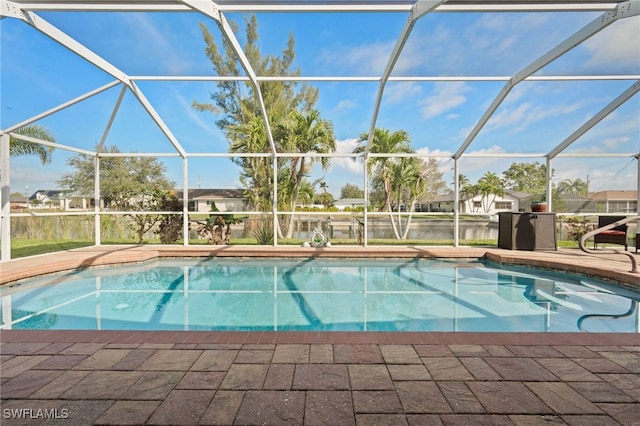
<point x="490" y="185"/>
<point x="20" y="147"/>
<point x="383" y="170"/>
<point x="574" y="187"/>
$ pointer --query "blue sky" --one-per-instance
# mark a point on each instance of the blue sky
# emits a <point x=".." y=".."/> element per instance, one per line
<point x="38" y="74"/>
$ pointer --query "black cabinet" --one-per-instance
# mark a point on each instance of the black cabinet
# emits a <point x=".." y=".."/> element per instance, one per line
<point x="527" y="231"/>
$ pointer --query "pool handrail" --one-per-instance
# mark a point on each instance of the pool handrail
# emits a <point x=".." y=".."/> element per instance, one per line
<point x="583" y="247"/>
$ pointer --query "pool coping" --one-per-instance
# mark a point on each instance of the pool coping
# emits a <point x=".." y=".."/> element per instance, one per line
<point x="607" y="264"/>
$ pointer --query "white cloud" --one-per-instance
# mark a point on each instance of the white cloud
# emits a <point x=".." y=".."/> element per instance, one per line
<point x="345" y="105"/>
<point x="447" y="97"/>
<point x="615" y="45"/>
<point x="346" y="146"/>
<point x="365" y="60"/>
<point x="401" y="92"/>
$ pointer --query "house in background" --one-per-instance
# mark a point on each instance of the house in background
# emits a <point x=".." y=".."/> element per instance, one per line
<point x="512" y="201"/>
<point x="350" y="203"/>
<point x="615" y="201"/>
<point x="226" y="200"/>
<point x="57" y="199"/>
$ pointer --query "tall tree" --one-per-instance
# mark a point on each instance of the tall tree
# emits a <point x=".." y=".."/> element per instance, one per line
<point x="236" y="105"/>
<point x="125" y="182"/>
<point x="21" y="147"/>
<point x="350" y="190"/>
<point x="304" y="133"/>
<point x="526" y="177"/>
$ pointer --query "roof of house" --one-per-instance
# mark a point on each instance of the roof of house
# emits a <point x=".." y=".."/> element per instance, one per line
<point x="209" y="193"/>
<point x="615" y="195"/>
<point x="49" y="193"/>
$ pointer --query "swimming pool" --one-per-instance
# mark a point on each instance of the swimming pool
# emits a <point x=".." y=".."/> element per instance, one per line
<point x="320" y="295"/>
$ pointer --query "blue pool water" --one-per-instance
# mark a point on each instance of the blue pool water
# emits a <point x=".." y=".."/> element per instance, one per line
<point x="313" y="294"/>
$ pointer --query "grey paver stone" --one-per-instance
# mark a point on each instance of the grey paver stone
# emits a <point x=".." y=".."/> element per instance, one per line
<point x="23" y="348"/>
<point x="381" y="419"/>
<point x="534" y="351"/>
<point x="19" y="364"/>
<point x="245" y="376"/>
<point x="566" y="369"/>
<point x="589" y="420"/>
<point x="536" y="420"/>
<point x="291" y="354"/>
<point x="562" y="398"/>
<point x="357" y="354"/>
<point x="271" y="408"/>
<point x="321" y="377"/>
<point x="153" y="385"/>
<point x="460" y="397"/>
<point x="446" y="368"/>
<point x="479" y="368"/>
<point x="520" y="369"/>
<point x="600" y="392"/>
<point x="329" y="408"/>
<point x="60" y="384"/>
<point x="279" y="377"/>
<point x="408" y="372"/>
<point x="253" y="356"/>
<point x="468" y="350"/>
<point x="321" y="354"/>
<point x="422" y="397"/>
<point x="83" y="348"/>
<point x="103" y="359"/>
<point x="61" y="362"/>
<point x="475" y="420"/>
<point x="182" y="407"/>
<point x="215" y="360"/>
<point x="103" y="385"/>
<point x="133" y="359"/>
<point x="400" y="354"/>
<point x="508" y="398"/>
<point x="369" y="377"/>
<point x="201" y="380"/>
<point x="223" y="408"/>
<point x="27" y="383"/>
<point x="432" y="350"/>
<point x="170" y="360"/>
<point x="128" y="413"/>
<point x="625" y="414"/>
<point x="376" y="402"/>
<point x="627" y="360"/>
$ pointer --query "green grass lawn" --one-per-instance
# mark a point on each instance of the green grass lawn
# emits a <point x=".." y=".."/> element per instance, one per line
<point x="23" y="248"/>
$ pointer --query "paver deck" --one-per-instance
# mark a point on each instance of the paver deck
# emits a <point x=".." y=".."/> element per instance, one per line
<point x="189" y="377"/>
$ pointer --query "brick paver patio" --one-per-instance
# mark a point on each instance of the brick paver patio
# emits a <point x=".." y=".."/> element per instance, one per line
<point x="111" y="377"/>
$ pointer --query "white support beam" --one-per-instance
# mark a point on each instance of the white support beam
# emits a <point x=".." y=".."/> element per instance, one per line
<point x="5" y="198"/>
<point x="421" y="8"/>
<point x="315" y="6"/>
<point x="623" y="10"/>
<point x="210" y="9"/>
<point x="62" y="106"/>
<point x="107" y="129"/>
<point x="612" y="106"/>
<point x="70" y="43"/>
<point x="51" y="144"/>
<point x="156" y="117"/>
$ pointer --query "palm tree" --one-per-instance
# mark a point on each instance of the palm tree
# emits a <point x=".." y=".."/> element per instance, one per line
<point x="304" y="133"/>
<point x="574" y="187"/>
<point x="490" y="185"/>
<point x="257" y="172"/>
<point x="20" y="147"/>
<point x="381" y="168"/>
